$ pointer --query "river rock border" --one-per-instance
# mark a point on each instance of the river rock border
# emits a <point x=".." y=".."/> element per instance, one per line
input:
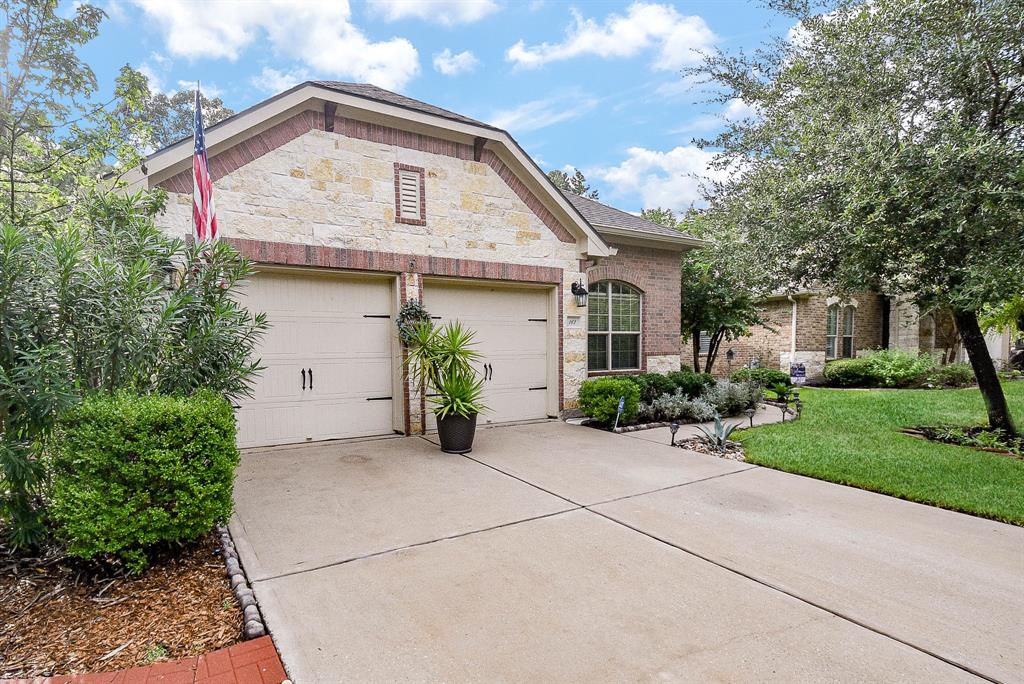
<point x="254" y="625"/>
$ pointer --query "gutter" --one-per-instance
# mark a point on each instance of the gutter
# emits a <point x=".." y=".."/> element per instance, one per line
<point x="792" y="332"/>
<point x="681" y="240"/>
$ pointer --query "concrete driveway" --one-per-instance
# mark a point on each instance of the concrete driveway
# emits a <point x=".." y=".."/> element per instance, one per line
<point x="556" y="553"/>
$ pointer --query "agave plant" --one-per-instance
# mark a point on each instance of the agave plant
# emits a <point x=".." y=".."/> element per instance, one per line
<point x="718" y="436"/>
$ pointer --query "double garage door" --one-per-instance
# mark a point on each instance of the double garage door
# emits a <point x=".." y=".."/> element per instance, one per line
<point x="331" y="358"/>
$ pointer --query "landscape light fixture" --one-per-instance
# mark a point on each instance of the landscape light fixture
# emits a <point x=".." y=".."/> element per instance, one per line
<point x="579" y="291"/>
<point x="750" y="414"/>
<point x="673" y="428"/>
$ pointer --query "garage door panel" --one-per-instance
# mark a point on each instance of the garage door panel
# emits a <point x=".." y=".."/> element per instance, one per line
<point x="512" y="337"/>
<point x="319" y="322"/>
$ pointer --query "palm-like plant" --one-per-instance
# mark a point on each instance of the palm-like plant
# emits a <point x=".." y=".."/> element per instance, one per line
<point x="442" y="359"/>
<point x="718" y="436"/>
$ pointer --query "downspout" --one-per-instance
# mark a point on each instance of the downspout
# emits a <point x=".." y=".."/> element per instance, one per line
<point x="792" y="331"/>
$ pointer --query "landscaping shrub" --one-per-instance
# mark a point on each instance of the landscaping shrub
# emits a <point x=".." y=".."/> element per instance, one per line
<point x="680" y="407"/>
<point x="133" y="471"/>
<point x="653" y="385"/>
<point x="731" y="398"/>
<point x="849" y="373"/>
<point x="691" y="384"/>
<point x="765" y="377"/>
<point x="953" y="375"/>
<point x="897" y="368"/>
<point x="599" y="399"/>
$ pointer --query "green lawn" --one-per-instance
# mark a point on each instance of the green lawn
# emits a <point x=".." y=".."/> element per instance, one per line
<point x="852" y="437"/>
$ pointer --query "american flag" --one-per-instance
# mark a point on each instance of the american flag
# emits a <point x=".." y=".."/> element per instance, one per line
<point x="204" y="215"/>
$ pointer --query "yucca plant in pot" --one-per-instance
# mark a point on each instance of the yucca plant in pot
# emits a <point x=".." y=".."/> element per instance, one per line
<point x="441" y="360"/>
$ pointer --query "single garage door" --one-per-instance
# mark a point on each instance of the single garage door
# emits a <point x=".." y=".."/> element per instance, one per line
<point x="327" y="357"/>
<point x="511" y="327"/>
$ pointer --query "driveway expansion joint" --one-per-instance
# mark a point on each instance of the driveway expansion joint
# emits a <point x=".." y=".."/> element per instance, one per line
<point x="769" y="585"/>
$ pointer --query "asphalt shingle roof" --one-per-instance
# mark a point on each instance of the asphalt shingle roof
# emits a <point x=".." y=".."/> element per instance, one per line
<point x="372" y="92"/>
<point x="598" y="214"/>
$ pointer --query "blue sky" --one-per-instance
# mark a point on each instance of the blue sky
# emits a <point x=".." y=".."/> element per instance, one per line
<point x="593" y="85"/>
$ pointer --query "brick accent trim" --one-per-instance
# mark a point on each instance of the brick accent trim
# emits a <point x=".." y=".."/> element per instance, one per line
<point x="281" y="133"/>
<point x="529" y="199"/>
<point x="613" y="271"/>
<point x="249" y="150"/>
<point x="294" y="254"/>
<point x="420" y="220"/>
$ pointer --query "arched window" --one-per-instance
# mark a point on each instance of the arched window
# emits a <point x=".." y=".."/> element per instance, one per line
<point x="613" y="327"/>
<point x="839" y="331"/>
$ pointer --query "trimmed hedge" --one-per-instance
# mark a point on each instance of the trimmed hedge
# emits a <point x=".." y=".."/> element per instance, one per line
<point x="599" y="398"/>
<point x="849" y="373"/>
<point x="765" y="377"/>
<point x="652" y="386"/>
<point x="131" y="472"/>
<point x="690" y="383"/>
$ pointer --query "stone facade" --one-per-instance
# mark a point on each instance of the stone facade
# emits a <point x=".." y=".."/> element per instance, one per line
<point x="319" y="193"/>
<point x="771" y="344"/>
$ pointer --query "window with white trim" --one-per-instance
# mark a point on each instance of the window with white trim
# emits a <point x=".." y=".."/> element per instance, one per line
<point x="410" y="204"/>
<point x="839" y="331"/>
<point x="613" y="327"/>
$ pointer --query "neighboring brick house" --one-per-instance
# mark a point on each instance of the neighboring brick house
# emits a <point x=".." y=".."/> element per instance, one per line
<point x="813" y="328"/>
<point x="353" y="200"/>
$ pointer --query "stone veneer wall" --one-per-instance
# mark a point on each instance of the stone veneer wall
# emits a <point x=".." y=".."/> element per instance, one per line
<point x="655" y="272"/>
<point x="297" y="183"/>
<point x="773" y="348"/>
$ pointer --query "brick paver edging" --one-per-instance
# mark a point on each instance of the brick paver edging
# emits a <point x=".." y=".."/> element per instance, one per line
<point x="250" y="662"/>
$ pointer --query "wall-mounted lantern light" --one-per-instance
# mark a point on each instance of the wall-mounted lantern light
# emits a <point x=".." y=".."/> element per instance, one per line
<point x="579" y="291"/>
<point x="730" y="355"/>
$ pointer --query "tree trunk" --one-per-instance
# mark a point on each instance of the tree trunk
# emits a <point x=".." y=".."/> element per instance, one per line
<point x="696" y="351"/>
<point x="984" y="371"/>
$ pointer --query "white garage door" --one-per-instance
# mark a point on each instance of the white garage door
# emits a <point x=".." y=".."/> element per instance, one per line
<point x="512" y="334"/>
<point x="337" y="330"/>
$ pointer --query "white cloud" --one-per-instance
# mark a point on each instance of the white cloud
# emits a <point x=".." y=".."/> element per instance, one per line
<point x="209" y="89"/>
<point x="735" y="110"/>
<point x="669" y="179"/>
<point x="275" y="81"/>
<point x="678" y="39"/>
<point x="537" y="114"/>
<point x="319" y="34"/>
<point x="444" y="12"/>
<point x="452" y="65"/>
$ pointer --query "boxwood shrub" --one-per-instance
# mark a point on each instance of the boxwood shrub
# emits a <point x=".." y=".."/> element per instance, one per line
<point x="131" y="472"/>
<point x="690" y="383"/>
<point x="765" y="377"/>
<point x="952" y="375"/>
<point x="849" y="373"/>
<point x="653" y="385"/>
<point x="599" y="399"/>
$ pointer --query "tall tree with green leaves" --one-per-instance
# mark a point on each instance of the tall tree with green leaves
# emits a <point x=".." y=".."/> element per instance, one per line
<point x="171" y="116"/>
<point x="888" y="153"/>
<point x="661" y="216"/>
<point x="57" y="138"/>
<point x="576" y="183"/>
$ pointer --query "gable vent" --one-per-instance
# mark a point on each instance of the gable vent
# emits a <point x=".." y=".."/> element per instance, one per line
<point x="409" y="201"/>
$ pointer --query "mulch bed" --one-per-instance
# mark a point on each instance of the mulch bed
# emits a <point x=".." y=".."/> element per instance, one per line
<point x="61" y="617"/>
<point x="970" y="437"/>
<point x="733" y="450"/>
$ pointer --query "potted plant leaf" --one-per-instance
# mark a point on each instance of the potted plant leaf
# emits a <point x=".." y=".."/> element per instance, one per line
<point x="441" y="360"/>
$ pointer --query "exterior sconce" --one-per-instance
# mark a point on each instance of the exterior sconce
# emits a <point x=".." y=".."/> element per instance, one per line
<point x="580" y="293"/>
<point x="730" y="355"/>
<point x="673" y="428"/>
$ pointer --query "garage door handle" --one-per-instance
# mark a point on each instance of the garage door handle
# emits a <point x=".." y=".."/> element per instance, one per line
<point x="303" y="378"/>
<point x="310" y="378"/>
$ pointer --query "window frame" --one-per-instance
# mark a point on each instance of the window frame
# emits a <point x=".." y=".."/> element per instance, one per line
<point x="608" y="334"/>
<point x="421" y="218"/>
<point x="837" y="337"/>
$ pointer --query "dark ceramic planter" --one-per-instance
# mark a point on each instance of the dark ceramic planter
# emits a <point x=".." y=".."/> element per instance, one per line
<point x="456" y="434"/>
